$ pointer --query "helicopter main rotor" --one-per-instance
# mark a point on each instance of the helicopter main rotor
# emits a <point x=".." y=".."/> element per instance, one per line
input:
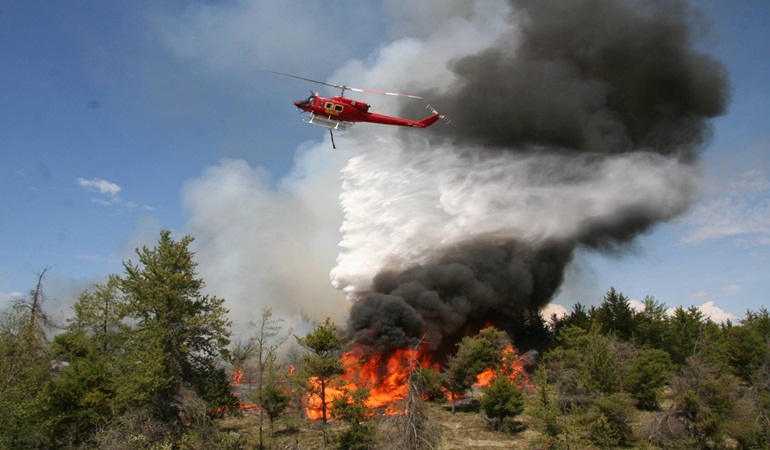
<point x="343" y="87"/>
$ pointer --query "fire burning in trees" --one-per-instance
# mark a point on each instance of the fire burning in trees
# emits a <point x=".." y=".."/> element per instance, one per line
<point x="236" y="379"/>
<point x="386" y="375"/>
<point x="511" y="366"/>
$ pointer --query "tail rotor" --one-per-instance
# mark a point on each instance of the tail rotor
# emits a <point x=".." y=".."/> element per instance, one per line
<point x="440" y="116"/>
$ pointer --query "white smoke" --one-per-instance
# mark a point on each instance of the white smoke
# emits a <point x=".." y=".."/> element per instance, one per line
<point x="404" y="199"/>
<point x="401" y="206"/>
<point x="261" y="242"/>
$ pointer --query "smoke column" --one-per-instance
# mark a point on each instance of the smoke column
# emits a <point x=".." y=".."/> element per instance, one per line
<point x="575" y="124"/>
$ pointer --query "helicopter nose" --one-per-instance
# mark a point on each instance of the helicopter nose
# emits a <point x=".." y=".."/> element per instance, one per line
<point x="298" y="103"/>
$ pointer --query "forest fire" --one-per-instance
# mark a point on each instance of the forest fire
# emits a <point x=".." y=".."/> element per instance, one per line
<point x="236" y="379"/>
<point x="511" y="366"/>
<point x="384" y="374"/>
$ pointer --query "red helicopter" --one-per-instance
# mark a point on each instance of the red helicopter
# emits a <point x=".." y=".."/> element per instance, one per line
<point x="340" y="112"/>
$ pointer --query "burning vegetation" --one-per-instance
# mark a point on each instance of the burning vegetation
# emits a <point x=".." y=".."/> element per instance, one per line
<point x="387" y="377"/>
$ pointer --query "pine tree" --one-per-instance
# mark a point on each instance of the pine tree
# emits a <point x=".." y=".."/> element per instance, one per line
<point x="266" y="343"/>
<point x="276" y="396"/>
<point x="615" y="315"/>
<point x="25" y="368"/>
<point x="475" y="354"/>
<point x="82" y="393"/>
<point x="179" y="334"/>
<point x="351" y="407"/>
<point x="647" y="375"/>
<point x="546" y="412"/>
<point x="321" y="366"/>
<point x="502" y="400"/>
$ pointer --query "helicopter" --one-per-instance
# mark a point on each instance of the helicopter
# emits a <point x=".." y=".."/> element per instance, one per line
<point x="340" y="112"/>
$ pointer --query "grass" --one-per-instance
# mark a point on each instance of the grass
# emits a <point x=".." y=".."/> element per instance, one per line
<point x="464" y="429"/>
<point x="459" y="430"/>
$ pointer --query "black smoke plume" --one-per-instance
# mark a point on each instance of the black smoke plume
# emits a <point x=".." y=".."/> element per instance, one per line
<point x="573" y="91"/>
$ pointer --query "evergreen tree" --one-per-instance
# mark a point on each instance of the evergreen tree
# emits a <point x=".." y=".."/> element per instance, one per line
<point x="758" y="321"/>
<point x="529" y="329"/>
<point x="360" y="432"/>
<point x="747" y="344"/>
<point x="609" y="421"/>
<point x="475" y="354"/>
<point x="321" y="366"/>
<point x="99" y="314"/>
<point x="428" y="383"/>
<point x="546" y="413"/>
<point x="25" y="368"/>
<point x="586" y="365"/>
<point x="179" y="334"/>
<point x="82" y="393"/>
<point x="276" y="397"/>
<point x="704" y="398"/>
<point x="578" y="318"/>
<point x="266" y="343"/>
<point x="647" y="375"/>
<point x="502" y="400"/>
<point x="615" y="315"/>
<point x="685" y="333"/>
<point x="651" y="324"/>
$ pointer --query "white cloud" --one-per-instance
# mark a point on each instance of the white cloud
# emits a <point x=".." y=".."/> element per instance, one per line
<point x="109" y="194"/>
<point x="636" y="305"/>
<point x="716" y="313"/>
<point x="551" y="309"/>
<point x="741" y="212"/>
<point x="103" y="187"/>
<point x="732" y="289"/>
<point x="5" y="298"/>
<point x="240" y="37"/>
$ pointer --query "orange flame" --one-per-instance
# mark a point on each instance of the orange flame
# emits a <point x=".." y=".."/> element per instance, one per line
<point x="486" y="377"/>
<point x="384" y="374"/>
<point x="512" y="366"/>
<point x="236" y="378"/>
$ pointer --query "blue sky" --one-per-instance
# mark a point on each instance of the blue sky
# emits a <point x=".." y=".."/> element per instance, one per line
<point x="118" y="119"/>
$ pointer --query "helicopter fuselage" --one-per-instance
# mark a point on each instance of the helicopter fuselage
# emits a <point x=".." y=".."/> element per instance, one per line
<point x="341" y="112"/>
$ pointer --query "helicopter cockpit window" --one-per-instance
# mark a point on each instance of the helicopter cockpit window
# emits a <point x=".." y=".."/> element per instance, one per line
<point x="331" y="106"/>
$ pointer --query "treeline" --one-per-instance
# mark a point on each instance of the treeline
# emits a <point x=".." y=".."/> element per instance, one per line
<point x="614" y="377"/>
<point x="145" y="362"/>
<point x="139" y="363"/>
<point x="697" y="383"/>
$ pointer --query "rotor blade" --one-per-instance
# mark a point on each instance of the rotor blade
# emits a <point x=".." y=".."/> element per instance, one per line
<point x="381" y="92"/>
<point x="308" y="79"/>
<point x="343" y="87"/>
